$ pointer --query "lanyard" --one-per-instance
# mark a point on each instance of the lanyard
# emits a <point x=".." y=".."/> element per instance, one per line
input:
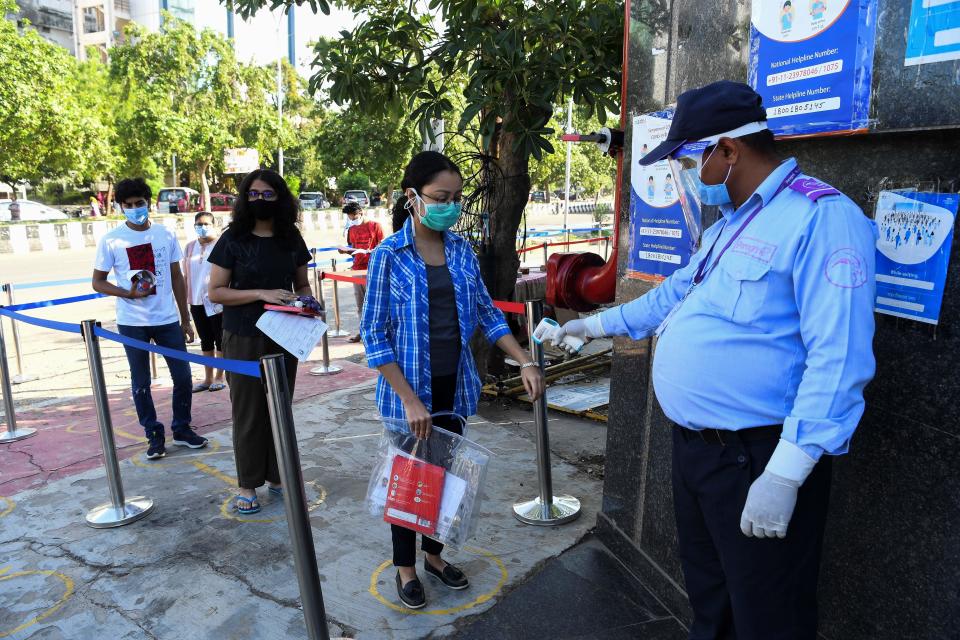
<point x="701" y="274"/>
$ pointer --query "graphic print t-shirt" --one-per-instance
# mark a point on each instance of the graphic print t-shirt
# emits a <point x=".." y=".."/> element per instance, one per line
<point x="125" y="252"/>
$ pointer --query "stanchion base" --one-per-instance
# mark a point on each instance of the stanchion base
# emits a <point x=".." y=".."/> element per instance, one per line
<point x="107" y="516"/>
<point x="564" y="509"/>
<point x="325" y="371"/>
<point x="337" y="333"/>
<point x="20" y="434"/>
<point x="21" y="378"/>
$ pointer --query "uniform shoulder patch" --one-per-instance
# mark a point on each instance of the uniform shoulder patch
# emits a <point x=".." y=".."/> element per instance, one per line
<point x="813" y="188"/>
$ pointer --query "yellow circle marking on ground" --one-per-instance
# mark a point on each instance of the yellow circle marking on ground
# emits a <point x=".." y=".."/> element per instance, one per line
<point x="482" y="598"/>
<point x="68" y="592"/>
<point x="10" y="505"/>
<point x="75" y="429"/>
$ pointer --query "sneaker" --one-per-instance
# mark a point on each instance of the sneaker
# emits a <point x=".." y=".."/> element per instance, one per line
<point x="187" y="437"/>
<point x="411" y="594"/>
<point x="156" y="448"/>
<point x="450" y="576"/>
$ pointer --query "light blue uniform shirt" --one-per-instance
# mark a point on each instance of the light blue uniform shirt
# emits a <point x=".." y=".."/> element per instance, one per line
<point x="780" y="332"/>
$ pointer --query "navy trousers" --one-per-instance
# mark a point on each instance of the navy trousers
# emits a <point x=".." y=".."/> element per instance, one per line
<point x="744" y="588"/>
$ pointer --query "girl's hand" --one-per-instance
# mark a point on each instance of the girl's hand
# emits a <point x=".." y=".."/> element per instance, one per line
<point x="533" y="382"/>
<point x="418" y="418"/>
<point x="277" y="296"/>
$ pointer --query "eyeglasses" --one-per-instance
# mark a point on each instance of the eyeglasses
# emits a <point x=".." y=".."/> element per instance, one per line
<point x="444" y="199"/>
<point x="262" y="195"/>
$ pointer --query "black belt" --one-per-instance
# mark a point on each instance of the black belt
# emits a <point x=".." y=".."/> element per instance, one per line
<point x="724" y="437"/>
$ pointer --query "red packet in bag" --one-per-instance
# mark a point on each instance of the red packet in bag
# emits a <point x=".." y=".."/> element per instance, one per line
<point x="414" y="490"/>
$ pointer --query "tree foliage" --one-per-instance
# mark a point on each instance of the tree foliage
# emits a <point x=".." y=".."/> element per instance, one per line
<point x="182" y="91"/>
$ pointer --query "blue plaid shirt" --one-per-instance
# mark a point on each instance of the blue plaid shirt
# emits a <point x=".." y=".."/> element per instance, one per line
<point x="396" y="327"/>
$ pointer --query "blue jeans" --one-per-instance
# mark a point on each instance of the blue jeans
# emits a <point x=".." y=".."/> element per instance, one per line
<point x="166" y="335"/>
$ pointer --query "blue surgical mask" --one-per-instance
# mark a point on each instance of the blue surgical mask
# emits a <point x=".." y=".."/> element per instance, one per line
<point x="713" y="194"/>
<point x="202" y="232"/>
<point x="440" y="217"/>
<point x="137" y="216"/>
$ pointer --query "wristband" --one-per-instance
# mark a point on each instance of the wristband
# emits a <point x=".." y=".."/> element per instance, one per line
<point x="527" y="365"/>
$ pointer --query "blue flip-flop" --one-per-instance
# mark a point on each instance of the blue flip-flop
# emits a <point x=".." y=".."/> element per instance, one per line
<point x="277" y="491"/>
<point x="253" y="508"/>
<point x="217" y="386"/>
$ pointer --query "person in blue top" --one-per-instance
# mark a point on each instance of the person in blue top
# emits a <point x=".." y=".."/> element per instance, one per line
<point x="425" y="299"/>
<point x="764" y="350"/>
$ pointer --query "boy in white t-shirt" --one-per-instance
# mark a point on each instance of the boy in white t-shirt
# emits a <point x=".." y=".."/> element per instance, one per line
<point x="156" y="311"/>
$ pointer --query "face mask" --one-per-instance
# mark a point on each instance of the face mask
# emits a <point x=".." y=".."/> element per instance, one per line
<point x="137" y="216"/>
<point x="202" y="232"/>
<point x="439" y="217"/>
<point x="713" y="194"/>
<point x="353" y="223"/>
<point x="262" y="210"/>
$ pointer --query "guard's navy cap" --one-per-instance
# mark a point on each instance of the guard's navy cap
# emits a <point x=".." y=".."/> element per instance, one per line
<point x="719" y="110"/>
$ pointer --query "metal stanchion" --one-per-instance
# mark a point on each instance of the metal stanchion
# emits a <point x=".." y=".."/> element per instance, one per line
<point x="337" y="332"/>
<point x="120" y="510"/>
<point x="606" y="248"/>
<point x="21" y="377"/>
<point x="294" y="498"/>
<point x="546" y="252"/>
<point x="11" y="434"/>
<point x="546" y="509"/>
<point x="325" y="369"/>
<point x="153" y="366"/>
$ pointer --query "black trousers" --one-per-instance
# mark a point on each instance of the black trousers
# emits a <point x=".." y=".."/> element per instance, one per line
<point x="405" y="540"/>
<point x="209" y="328"/>
<point x="745" y="588"/>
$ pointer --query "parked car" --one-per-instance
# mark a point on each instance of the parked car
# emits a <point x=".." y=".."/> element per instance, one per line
<point x="360" y="197"/>
<point x="222" y="201"/>
<point x="310" y="200"/>
<point x="178" y="200"/>
<point x="559" y="194"/>
<point x="538" y="196"/>
<point x="30" y="210"/>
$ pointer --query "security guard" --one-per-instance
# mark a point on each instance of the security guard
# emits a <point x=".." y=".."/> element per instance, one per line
<point x="764" y="349"/>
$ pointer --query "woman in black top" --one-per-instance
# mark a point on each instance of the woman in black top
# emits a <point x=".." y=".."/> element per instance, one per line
<point x="260" y="258"/>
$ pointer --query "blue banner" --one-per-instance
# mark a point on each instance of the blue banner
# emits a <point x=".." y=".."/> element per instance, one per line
<point x="811" y="60"/>
<point x="934" y="32"/>
<point x="913" y="252"/>
<point x="662" y="237"/>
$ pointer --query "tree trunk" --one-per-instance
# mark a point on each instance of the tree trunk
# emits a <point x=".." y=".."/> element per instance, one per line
<point x="510" y="195"/>
<point x="204" y="187"/>
<point x="546" y="191"/>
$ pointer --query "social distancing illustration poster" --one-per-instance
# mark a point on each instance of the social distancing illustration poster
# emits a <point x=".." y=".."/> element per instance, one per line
<point x="913" y="252"/>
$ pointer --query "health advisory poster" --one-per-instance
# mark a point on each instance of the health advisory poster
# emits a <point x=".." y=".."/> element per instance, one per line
<point x="662" y="238"/>
<point x="933" y="34"/>
<point x="913" y="252"/>
<point x="811" y="60"/>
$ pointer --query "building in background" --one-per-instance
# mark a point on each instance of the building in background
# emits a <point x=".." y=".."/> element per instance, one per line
<point x="52" y="19"/>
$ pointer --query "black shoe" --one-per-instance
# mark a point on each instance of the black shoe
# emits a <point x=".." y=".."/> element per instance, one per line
<point x="412" y="593"/>
<point x="450" y="576"/>
<point x="156" y="449"/>
<point x="187" y="437"/>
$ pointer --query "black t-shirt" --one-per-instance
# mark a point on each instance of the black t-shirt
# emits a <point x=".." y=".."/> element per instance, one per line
<point x="256" y="263"/>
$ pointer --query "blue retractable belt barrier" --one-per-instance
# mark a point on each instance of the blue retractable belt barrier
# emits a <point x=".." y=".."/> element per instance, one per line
<point x="53" y="303"/>
<point x="50" y="283"/>
<point x="243" y="367"/>
<point x="40" y="322"/>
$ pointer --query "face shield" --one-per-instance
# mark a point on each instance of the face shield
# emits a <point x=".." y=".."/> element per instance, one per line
<point x="685" y="164"/>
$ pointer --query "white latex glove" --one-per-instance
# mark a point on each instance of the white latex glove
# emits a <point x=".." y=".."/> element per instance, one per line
<point x="584" y="329"/>
<point x="769" y="506"/>
<point x="773" y="496"/>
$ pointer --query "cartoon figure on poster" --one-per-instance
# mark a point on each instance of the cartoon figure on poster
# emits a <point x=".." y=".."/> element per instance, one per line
<point x="913" y="251"/>
<point x="786" y="17"/>
<point x="817" y="10"/>
<point x="663" y="236"/>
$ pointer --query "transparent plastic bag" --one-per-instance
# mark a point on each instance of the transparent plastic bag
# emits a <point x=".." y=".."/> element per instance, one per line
<point x="465" y="463"/>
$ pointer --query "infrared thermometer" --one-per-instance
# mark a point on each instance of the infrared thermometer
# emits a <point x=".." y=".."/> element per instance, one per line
<point x="546" y="327"/>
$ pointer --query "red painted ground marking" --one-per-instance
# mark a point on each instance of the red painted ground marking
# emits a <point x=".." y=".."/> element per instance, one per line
<point x="67" y="441"/>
